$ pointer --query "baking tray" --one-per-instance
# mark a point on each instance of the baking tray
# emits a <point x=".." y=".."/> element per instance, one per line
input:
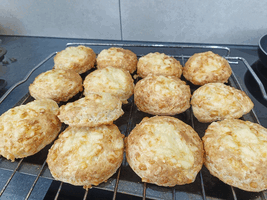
<point x="125" y="181"/>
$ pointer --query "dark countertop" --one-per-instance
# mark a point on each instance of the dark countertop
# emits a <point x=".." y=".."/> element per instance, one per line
<point x="29" y="52"/>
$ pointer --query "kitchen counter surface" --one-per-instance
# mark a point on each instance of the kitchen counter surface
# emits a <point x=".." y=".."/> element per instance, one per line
<point x="24" y="53"/>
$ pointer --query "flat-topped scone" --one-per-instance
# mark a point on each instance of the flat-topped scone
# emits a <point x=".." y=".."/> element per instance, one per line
<point x="207" y="67"/>
<point x="117" y="57"/>
<point x="93" y="110"/>
<point x="115" y="81"/>
<point x="158" y="64"/>
<point x="86" y="156"/>
<point x="56" y="84"/>
<point x="164" y="151"/>
<point x="162" y="95"/>
<point x="217" y="101"/>
<point x="236" y="153"/>
<point x="79" y="59"/>
<point x="27" y="129"/>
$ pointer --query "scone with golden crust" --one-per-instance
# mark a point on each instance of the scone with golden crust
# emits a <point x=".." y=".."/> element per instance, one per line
<point x="236" y="153"/>
<point x="117" y="57"/>
<point x="79" y="59"/>
<point x="56" y="84"/>
<point x="158" y="64"/>
<point x="165" y="151"/>
<point x="207" y="67"/>
<point x="93" y="110"/>
<point x="26" y="129"/>
<point x="162" y="95"/>
<point x="86" y="156"/>
<point x="115" y="81"/>
<point x="217" y="101"/>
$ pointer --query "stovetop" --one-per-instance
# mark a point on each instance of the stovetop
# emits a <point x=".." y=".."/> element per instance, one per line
<point x="24" y="53"/>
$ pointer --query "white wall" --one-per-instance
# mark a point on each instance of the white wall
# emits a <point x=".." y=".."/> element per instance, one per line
<point x="206" y="21"/>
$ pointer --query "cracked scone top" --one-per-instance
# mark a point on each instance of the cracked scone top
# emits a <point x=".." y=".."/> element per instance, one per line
<point x="26" y="129"/>
<point x="117" y="57"/>
<point x="162" y="95"/>
<point x="86" y="156"/>
<point x="93" y="110"/>
<point x="165" y="151"/>
<point x="236" y="153"/>
<point x="217" y="101"/>
<point x="207" y="67"/>
<point x="79" y="59"/>
<point x="56" y="84"/>
<point x="115" y="81"/>
<point x="158" y="64"/>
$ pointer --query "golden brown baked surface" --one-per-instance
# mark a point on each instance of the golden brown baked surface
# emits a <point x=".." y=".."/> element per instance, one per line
<point x="235" y="152"/>
<point x="56" y="84"/>
<point x="117" y="57"/>
<point x="26" y="129"/>
<point x="93" y="110"/>
<point x="115" y="81"/>
<point x="158" y="64"/>
<point x="86" y="156"/>
<point x="217" y="101"/>
<point x="79" y="59"/>
<point x="165" y="151"/>
<point x="207" y="67"/>
<point x="162" y="95"/>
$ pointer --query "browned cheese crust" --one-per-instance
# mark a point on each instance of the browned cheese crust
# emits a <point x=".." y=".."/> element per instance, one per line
<point x="26" y="129"/>
<point x="217" y="101"/>
<point x="117" y="57"/>
<point x="158" y="64"/>
<point x="236" y="153"/>
<point x="164" y="151"/>
<point x="79" y="59"/>
<point x="93" y="110"/>
<point x="56" y="84"/>
<point x="86" y="156"/>
<point x="162" y="95"/>
<point x="207" y="67"/>
<point x="115" y="81"/>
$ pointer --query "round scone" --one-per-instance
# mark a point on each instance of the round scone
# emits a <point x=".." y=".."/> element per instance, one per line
<point x="217" y="101"/>
<point x="115" y="81"/>
<point x="117" y="57"/>
<point x="86" y="156"/>
<point x="56" y="84"/>
<point x="165" y="151"/>
<point x="162" y="95"/>
<point x="79" y="59"/>
<point x="158" y="64"/>
<point x="235" y="152"/>
<point x="207" y="67"/>
<point x="93" y="110"/>
<point x="26" y="129"/>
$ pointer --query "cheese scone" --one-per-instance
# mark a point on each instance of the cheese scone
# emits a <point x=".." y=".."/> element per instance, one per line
<point x="217" y="101"/>
<point x="236" y="153"/>
<point x="115" y="81"/>
<point x="207" y="67"/>
<point x="93" y="110"/>
<point x="86" y="156"/>
<point x="79" y="59"/>
<point x="162" y="95"/>
<point x="158" y="64"/>
<point x="26" y="129"/>
<point x="117" y="57"/>
<point x="164" y="151"/>
<point x="56" y="84"/>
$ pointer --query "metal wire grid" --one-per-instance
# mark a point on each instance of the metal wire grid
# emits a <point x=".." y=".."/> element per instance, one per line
<point x="233" y="60"/>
